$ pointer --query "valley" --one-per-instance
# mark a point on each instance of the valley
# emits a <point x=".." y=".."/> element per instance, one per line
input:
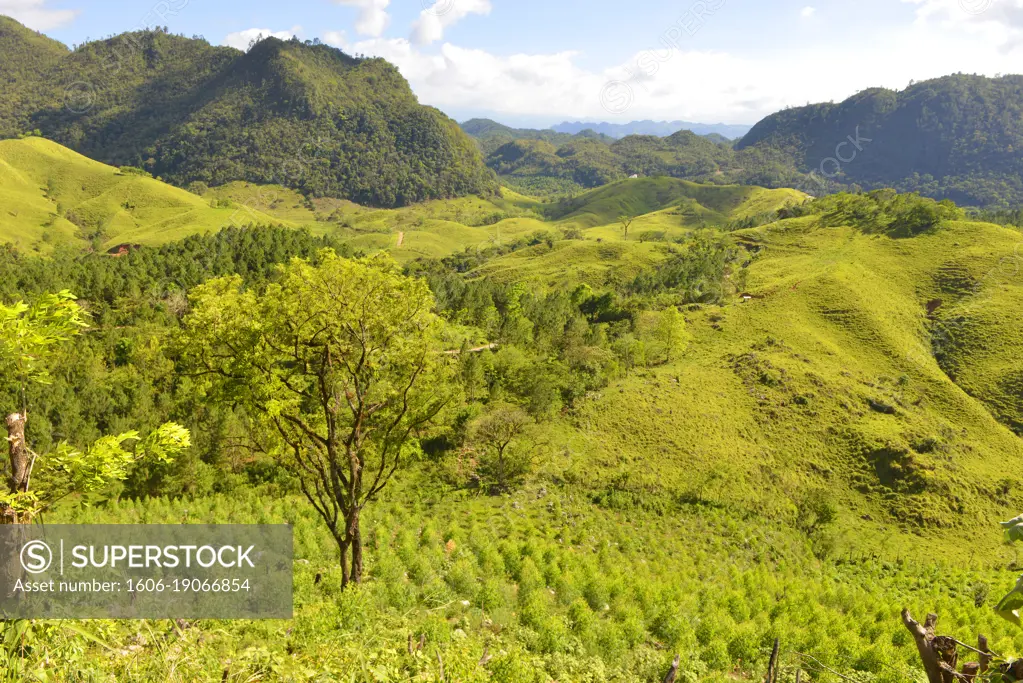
<point x="537" y="405"/>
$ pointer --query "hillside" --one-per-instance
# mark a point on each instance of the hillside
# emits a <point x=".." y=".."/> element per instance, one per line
<point x="50" y="196"/>
<point x="591" y="162"/>
<point x="26" y="57"/>
<point x="820" y="446"/>
<point x="837" y="372"/>
<point x="302" y="115"/>
<point x="827" y="378"/>
<point x="701" y="205"/>
<point x="547" y="167"/>
<point x="53" y="196"/>
<point x="957" y="137"/>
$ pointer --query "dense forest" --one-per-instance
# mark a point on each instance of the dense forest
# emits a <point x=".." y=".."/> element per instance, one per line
<point x="303" y="115"/>
<point x="956" y="137"/>
<point x="536" y="160"/>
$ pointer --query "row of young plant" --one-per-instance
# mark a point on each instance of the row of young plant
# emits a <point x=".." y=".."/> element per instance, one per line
<point x="535" y="587"/>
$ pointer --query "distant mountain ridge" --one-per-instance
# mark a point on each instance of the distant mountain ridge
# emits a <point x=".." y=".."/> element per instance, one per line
<point x="300" y="114"/>
<point x="958" y="137"/>
<point x="326" y="124"/>
<point x="658" y="128"/>
<point x="547" y="162"/>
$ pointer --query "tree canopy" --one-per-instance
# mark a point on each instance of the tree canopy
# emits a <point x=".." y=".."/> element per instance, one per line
<point x="339" y="361"/>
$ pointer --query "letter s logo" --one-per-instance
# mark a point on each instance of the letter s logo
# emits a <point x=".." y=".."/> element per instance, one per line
<point x="36" y="557"/>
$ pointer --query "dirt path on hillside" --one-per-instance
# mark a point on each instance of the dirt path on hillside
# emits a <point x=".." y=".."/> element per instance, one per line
<point x="401" y="238"/>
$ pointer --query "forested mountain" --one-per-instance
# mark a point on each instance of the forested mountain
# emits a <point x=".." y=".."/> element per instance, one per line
<point x="658" y="128"/>
<point x="959" y="137"/>
<point x="591" y="161"/>
<point x="300" y="114"/>
<point x="24" y="56"/>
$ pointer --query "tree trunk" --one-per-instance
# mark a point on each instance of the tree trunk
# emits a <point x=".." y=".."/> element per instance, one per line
<point x="500" y="467"/>
<point x="356" y="538"/>
<point x="345" y="569"/>
<point x="20" y="464"/>
<point x="923" y="635"/>
<point x="18" y="452"/>
<point x="672" y="674"/>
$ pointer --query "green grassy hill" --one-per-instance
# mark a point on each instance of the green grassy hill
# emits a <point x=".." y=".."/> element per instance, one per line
<point x="826" y="380"/>
<point x="636" y="197"/>
<point x="878" y="369"/>
<point x="838" y="440"/>
<point x="53" y="195"/>
<point x="50" y="195"/>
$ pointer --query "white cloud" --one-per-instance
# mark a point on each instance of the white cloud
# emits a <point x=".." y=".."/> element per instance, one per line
<point x="35" y="15"/>
<point x="241" y="40"/>
<point x="335" y="38"/>
<point x="442" y="14"/>
<point x="373" y="18"/>
<point x="807" y="12"/>
<point x="696" y="85"/>
<point x="997" y="21"/>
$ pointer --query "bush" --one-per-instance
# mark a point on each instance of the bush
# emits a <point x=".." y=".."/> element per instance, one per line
<point x="135" y="171"/>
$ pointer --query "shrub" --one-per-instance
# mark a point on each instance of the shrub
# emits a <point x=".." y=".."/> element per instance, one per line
<point x="135" y="171"/>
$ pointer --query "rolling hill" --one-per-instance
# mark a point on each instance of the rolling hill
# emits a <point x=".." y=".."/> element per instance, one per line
<point x="872" y="366"/>
<point x="955" y="137"/>
<point x="306" y="116"/>
<point x="589" y="161"/>
<point x="827" y="378"/>
<point x="50" y="195"/>
<point x="836" y="438"/>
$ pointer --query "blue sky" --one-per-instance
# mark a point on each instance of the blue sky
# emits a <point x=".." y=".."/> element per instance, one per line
<point x="537" y="62"/>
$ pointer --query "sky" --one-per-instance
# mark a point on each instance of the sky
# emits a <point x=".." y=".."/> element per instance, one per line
<point x="540" y="62"/>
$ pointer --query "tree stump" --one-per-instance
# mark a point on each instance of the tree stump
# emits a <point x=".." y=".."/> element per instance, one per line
<point x="940" y="654"/>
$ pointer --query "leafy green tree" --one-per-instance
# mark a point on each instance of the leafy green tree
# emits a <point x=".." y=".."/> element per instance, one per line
<point x="517" y="328"/>
<point x="341" y="361"/>
<point x="29" y="333"/>
<point x="671" y="332"/>
<point x="470" y="372"/>
<point x="496" y="434"/>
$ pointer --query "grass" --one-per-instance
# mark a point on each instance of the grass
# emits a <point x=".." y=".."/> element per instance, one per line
<point x="672" y="511"/>
<point x="833" y="377"/>
<point x="51" y="195"/>
<point x="571" y="262"/>
<point x="714" y="204"/>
